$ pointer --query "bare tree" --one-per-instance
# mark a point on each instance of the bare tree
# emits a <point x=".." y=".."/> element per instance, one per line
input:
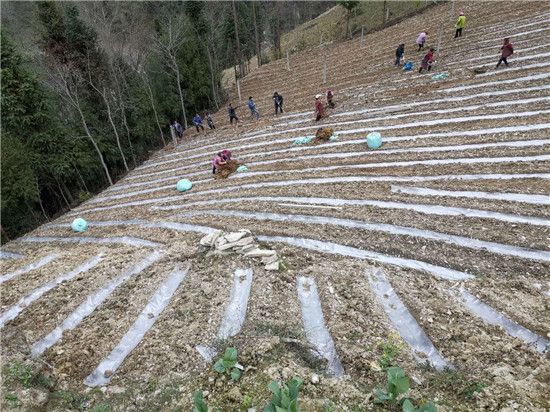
<point x="256" y="36"/>
<point x="169" y="44"/>
<point x="238" y="55"/>
<point x="67" y="86"/>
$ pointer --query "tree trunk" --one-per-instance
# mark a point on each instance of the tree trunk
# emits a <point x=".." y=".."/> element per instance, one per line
<point x="108" y="106"/>
<point x="212" y="77"/>
<point x="257" y="37"/>
<point x="62" y="194"/>
<point x="384" y="12"/>
<point x="96" y="147"/>
<point x="152" y="100"/>
<point x="177" y="71"/>
<point x="237" y="41"/>
<point x="124" y="121"/>
<point x="82" y="181"/>
<point x="40" y="201"/>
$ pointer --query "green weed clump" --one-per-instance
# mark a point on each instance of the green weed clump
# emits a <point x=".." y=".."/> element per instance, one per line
<point x="228" y="363"/>
<point x="396" y="386"/>
<point x="285" y="396"/>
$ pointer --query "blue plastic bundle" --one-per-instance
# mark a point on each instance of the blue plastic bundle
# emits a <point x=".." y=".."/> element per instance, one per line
<point x="303" y="140"/>
<point x="184" y="185"/>
<point x="440" y="76"/>
<point x="333" y="138"/>
<point x="374" y="140"/>
<point x="242" y="168"/>
<point x="79" y="225"/>
<point x="408" y="66"/>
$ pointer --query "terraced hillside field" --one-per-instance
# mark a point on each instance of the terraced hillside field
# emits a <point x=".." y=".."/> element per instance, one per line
<point x="431" y="253"/>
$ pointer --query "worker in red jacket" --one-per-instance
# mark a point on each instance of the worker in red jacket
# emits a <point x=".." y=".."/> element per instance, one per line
<point x="319" y="108"/>
<point x="506" y="51"/>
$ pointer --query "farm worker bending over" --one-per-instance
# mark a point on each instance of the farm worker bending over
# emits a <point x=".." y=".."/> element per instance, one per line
<point x="210" y="121"/>
<point x="252" y="107"/>
<point x="399" y="52"/>
<point x="197" y="121"/>
<point x="506" y="51"/>
<point x="330" y="96"/>
<point x="278" y="101"/>
<point x="460" y="23"/>
<point x="427" y="61"/>
<point x="421" y="39"/>
<point x="217" y="162"/>
<point x="319" y="108"/>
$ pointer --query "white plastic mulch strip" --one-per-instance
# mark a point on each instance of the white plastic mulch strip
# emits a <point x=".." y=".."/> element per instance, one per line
<point x="91" y="303"/>
<point x="508" y="197"/>
<point x="491" y="316"/>
<point x="185" y="156"/>
<point x="423" y="149"/>
<point x="182" y="227"/>
<point x="416" y="207"/>
<point x="359" y="141"/>
<point x="498" y="248"/>
<point x="124" y="240"/>
<point x="29" y="268"/>
<point x="513" y="69"/>
<point x="314" y="324"/>
<point x="328" y="180"/>
<point x="137" y="331"/>
<point x="338" y="249"/>
<point x="427" y="162"/>
<point x="492" y="56"/>
<point x="235" y="313"/>
<point x="411" y="332"/>
<point x="10" y="255"/>
<point x="424" y="123"/>
<point x="236" y="310"/>
<point x="24" y="302"/>
<point x="530" y="78"/>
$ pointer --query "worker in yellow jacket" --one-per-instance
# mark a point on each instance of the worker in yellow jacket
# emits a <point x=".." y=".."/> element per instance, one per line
<point x="460" y="23"/>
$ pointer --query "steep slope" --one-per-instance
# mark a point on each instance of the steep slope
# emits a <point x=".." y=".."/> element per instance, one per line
<point x="432" y="249"/>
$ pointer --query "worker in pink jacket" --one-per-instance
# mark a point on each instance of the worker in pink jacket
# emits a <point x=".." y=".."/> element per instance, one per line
<point x="506" y="51"/>
<point x="421" y="39"/>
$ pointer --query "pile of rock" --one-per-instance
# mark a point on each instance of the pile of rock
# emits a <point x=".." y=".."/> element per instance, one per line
<point x="243" y="243"/>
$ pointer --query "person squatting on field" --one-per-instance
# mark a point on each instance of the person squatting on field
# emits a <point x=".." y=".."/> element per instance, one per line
<point x="319" y="108"/>
<point x="460" y="23"/>
<point x="220" y="159"/>
<point x="253" y="111"/>
<point x="427" y="61"/>
<point x="278" y="101"/>
<point x="421" y="39"/>
<point x="506" y="51"/>
<point x="399" y="52"/>
<point x="197" y="121"/>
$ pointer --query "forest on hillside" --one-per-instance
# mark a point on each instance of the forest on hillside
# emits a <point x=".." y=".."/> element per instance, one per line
<point x="89" y="89"/>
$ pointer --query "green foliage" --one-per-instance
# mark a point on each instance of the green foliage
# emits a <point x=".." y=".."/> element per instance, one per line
<point x="72" y="400"/>
<point x="285" y="397"/>
<point x="20" y="373"/>
<point x="348" y="5"/>
<point x="228" y="363"/>
<point x="102" y="407"/>
<point x="397" y="384"/>
<point x="390" y="350"/>
<point x="471" y="388"/>
<point x="247" y="401"/>
<point x="12" y="400"/>
<point x="408" y="406"/>
<point x="199" y="405"/>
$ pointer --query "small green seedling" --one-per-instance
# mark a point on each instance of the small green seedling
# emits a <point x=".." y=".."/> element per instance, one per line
<point x="228" y="363"/>
<point x="408" y="406"/>
<point x="198" y="402"/>
<point x="285" y="398"/>
<point x="21" y="373"/>
<point x="390" y="350"/>
<point x="397" y="384"/>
